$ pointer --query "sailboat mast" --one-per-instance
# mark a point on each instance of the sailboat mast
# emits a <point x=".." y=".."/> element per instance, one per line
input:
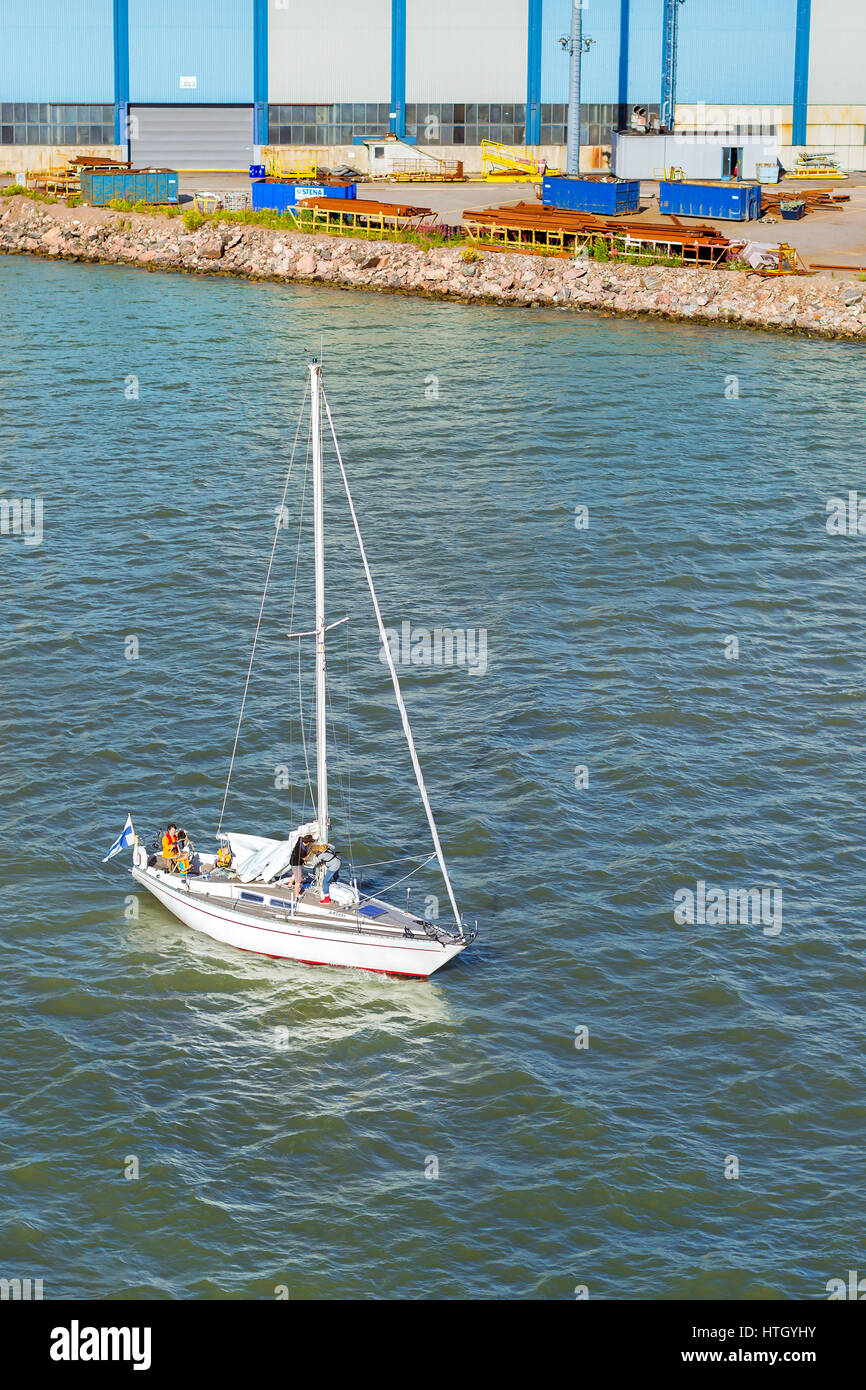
<point x="319" y="541"/>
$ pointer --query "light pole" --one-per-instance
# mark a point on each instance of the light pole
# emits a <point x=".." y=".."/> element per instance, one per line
<point x="575" y="45"/>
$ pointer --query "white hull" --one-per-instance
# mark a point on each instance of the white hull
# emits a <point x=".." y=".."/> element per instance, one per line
<point x="313" y="935"/>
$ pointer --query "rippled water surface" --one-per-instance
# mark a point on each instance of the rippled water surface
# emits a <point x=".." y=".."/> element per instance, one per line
<point x="285" y="1119"/>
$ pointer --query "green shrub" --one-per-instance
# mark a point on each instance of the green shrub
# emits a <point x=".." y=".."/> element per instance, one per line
<point x="30" y="193"/>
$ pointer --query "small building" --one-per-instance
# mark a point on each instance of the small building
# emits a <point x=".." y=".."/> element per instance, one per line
<point x="384" y="152"/>
<point x="699" y="154"/>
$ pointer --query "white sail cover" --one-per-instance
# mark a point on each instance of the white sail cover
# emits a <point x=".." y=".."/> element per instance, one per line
<point x="259" y="860"/>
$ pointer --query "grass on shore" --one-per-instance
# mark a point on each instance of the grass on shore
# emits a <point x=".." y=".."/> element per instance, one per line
<point x="303" y="220"/>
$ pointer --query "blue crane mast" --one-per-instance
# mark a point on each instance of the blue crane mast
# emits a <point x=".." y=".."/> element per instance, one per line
<point x="669" y="63"/>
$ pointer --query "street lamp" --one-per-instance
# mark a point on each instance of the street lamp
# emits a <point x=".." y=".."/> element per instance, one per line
<point x="575" y="46"/>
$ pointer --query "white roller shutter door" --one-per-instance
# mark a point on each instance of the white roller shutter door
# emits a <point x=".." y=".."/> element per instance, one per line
<point x="191" y="137"/>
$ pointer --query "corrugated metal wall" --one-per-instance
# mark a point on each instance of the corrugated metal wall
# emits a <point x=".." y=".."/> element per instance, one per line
<point x="837" y="53"/>
<point x="740" y="51"/>
<point x="56" y="52"/>
<point x="466" y="50"/>
<point x="600" y="67"/>
<point x="329" y="51"/>
<point x="210" y="40"/>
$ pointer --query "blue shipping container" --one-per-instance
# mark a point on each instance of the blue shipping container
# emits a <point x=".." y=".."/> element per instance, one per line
<point x="726" y="202"/>
<point x="133" y="186"/>
<point x="608" y="197"/>
<point x="279" y="196"/>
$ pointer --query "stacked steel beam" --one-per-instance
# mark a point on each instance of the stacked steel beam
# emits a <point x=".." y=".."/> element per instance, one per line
<point x="366" y="207"/>
<point x="814" y="198"/>
<point x="528" y="223"/>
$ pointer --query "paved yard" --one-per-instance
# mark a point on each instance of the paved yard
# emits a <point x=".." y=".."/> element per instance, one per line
<point x="832" y="236"/>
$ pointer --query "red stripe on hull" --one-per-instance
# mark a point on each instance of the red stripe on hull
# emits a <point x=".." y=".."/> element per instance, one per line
<point x="330" y="964"/>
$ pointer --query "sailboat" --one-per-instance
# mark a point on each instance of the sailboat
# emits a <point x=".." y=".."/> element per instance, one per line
<point x="243" y="893"/>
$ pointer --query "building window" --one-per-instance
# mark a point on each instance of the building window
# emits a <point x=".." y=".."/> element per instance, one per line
<point x="44" y="123"/>
<point x="465" y="123"/>
<point x="430" y="123"/>
<point x="597" y="122"/>
<point x="337" y="124"/>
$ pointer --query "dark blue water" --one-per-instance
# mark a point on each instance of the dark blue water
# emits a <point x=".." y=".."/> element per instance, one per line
<point x="286" y="1123"/>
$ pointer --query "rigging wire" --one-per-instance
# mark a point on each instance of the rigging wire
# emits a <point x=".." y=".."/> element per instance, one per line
<point x="365" y="897"/>
<point x="403" y="859"/>
<point x="277" y="530"/>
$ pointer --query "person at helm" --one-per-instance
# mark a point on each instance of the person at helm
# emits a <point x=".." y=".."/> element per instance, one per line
<point x="170" y="846"/>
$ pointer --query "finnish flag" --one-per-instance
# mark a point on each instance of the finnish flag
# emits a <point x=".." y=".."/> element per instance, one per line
<point x="123" y="841"/>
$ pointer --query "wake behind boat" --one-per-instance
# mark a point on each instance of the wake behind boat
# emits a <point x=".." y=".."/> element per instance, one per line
<point x="280" y="898"/>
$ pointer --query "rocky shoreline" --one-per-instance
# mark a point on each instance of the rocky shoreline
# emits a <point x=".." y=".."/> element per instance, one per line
<point x="815" y="305"/>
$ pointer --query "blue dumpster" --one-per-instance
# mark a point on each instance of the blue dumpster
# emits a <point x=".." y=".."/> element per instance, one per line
<point x="128" y="185"/>
<point x="279" y="196"/>
<point x="607" y="197"/>
<point x="725" y="202"/>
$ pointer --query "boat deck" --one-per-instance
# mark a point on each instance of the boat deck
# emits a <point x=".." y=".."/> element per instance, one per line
<point x="273" y="901"/>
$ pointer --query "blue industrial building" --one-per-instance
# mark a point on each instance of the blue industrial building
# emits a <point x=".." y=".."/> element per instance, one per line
<point x="203" y="83"/>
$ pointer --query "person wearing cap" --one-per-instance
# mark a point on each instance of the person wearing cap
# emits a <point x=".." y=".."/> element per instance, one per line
<point x="326" y="856"/>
